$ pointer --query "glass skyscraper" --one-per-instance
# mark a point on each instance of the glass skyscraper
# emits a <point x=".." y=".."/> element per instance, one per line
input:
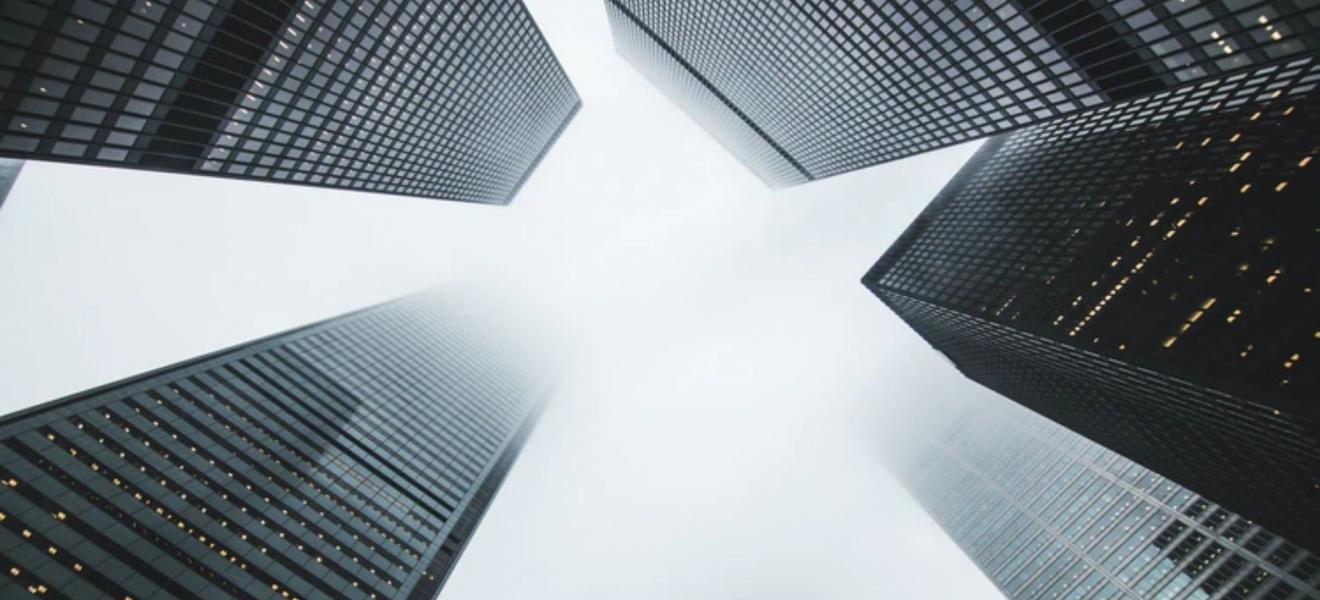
<point x="351" y="458"/>
<point x="1144" y="274"/>
<point x="806" y="89"/>
<point x="453" y="100"/>
<point x="1046" y="513"/>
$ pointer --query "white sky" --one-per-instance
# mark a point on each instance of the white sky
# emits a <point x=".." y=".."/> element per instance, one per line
<point x="715" y="436"/>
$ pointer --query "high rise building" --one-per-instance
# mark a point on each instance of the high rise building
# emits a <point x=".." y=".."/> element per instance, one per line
<point x="352" y="458"/>
<point x="452" y="100"/>
<point x="806" y="89"/>
<point x="1046" y="513"/>
<point x="1144" y="274"/>
<point x="9" y="169"/>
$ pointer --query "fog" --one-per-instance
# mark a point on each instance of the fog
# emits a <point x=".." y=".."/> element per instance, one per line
<point x="715" y="433"/>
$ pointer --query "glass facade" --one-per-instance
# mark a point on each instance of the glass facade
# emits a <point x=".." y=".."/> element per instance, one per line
<point x="1046" y="513"/>
<point x="1143" y="274"/>
<point x="700" y="99"/>
<point x="806" y="89"/>
<point x="9" y="169"/>
<point x="352" y="458"/>
<point x="453" y="100"/>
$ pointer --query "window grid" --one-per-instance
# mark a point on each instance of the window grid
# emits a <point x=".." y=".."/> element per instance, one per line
<point x="457" y="100"/>
<point x="1046" y="513"/>
<point x="837" y="86"/>
<point x="348" y="459"/>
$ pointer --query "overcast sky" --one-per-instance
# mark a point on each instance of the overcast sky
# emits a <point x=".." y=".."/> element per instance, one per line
<point x="715" y="435"/>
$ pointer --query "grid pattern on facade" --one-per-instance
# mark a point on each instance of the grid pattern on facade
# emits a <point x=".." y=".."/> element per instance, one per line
<point x="1194" y="261"/>
<point x="1046" y="513"/>
<point x="1255" y="462"/>
<point x="1169" y="312"/>
<point x="845" y="85"/>
<point x="455" y="100"/>
<point x="334" y="461"/>
<point x="668" y="72"/>
<point x="466" y="522"/>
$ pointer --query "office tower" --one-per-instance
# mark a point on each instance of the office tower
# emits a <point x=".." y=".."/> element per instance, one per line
<point x="1046" y="513"/>
<point x="9" y="170"/>
<point x="806" y="89"/>
<point x="351" y="458"/>
<point x="1144" y="274"/>
<point x="452" y="100"/>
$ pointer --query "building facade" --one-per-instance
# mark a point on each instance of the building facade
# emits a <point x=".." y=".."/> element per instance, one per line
<point x="1143" y="274"/>
<point x="454" y="100"/>
<point x="806" y="89"/>
<point x="1046" y="513"/>
<point x="351" y="458"/>
<point x="9" y="169"/>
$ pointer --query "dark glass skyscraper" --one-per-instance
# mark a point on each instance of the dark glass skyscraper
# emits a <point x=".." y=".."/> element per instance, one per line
<point x="1145" y="274"/>
<point x="351" y="458"/>
<point x="1046" y="513"/>
<point x="453" y="100"/>
<point x="806" y="89"/>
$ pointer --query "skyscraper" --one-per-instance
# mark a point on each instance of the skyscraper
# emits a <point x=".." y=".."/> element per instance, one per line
<point x="806" y="89"/>
<point x="1045" y="513"/>
<point x="452" y="100"/>
<point x="9" y="170"/>
<point x="1144" y="274"/>
<point x="351" y="458"/>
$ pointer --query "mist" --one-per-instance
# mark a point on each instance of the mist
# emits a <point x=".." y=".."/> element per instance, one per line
<point x="715" y="431"/>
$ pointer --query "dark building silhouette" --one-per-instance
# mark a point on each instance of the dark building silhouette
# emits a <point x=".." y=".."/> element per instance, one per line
<point x="452" y="100"/>
<point x="806" y="89"/>
<point x="9" y="170"/>
<point x="1046" y="513"/>
<point x="351" y="458"/>
<point x="1145" y="274"/>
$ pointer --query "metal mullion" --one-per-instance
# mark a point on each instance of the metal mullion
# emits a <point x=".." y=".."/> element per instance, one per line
<point x="119" y="15"/>
<point x="191" y="417"/>
<point x="398" y="72"/>
<point x="180" y="507"/>
<point x="370" y="435"/>
<point x="329" y="431"/>
<point x="1047" y="528"/>
<point x="1002" y="26"/>
<point x="304" y="127"/>
<point x="665" y="48"/>
<point x="451" y="141"/>
<point x="121" y="99"/>
<point x="319" y="100"/>
<point x="81" y="80"/>
<point x="9" y="102"/>
<point x="1183" y="37"/>
<point x="490" y="436"/>
<point x="249" y="77"/>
